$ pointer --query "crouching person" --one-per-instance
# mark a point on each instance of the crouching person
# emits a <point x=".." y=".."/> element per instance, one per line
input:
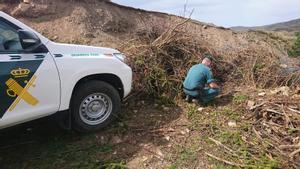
<point x="199" y="82"/>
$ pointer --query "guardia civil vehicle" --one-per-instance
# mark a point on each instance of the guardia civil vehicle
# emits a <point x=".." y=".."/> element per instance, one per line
<point x="39" y="78"/>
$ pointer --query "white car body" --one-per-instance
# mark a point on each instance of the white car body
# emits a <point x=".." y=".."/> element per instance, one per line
<point x="54" y="75"/>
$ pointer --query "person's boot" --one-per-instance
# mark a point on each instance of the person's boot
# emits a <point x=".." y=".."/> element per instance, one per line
<point x="188" y="99"/>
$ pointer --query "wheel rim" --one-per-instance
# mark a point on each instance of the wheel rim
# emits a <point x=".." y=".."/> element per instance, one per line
<point x="95" y="108"/>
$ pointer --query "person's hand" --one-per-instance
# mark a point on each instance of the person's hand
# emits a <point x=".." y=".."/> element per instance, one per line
<point x="214" y="85"/>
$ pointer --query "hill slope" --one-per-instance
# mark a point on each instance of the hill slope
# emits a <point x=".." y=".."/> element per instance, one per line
<point x="103" y="23"/>
<point x="292" y="26"/>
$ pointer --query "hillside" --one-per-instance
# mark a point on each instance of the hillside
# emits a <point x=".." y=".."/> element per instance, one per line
<point x="103" y="23"/>
<point x="292" y="26"/>
<point x="254" y="123"/>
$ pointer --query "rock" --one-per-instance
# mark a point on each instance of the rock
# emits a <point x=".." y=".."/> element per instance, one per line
<point x="167" y="138"/>
<point x="166" y="108"/>
<point x="26" y="1"/>
<point x="250" y="104"/>
<point x="262" y="94"/>
<point x="144" y="158"/>
<point x="204" y="26"/>
<point x="102" y="138"/>
<point x="196" y="101"/>
<point x="200" y="109"/>
<point x="159" y="152"/>
<point x="232" y="124"/>
<point x="116" y="140"/>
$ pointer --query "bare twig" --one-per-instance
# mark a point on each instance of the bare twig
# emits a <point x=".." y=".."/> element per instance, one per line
<point x="256" y="133"/>
<point x="274" y="111"/>
<point x="290" y="146"/>
<point x="294" y="153"/>
<point x="293" y="110"/>
<point x="227" y="162"/>
<point x="287" y="118"/>
<point x="257" y="106"/>
<point x="225" y="147"/>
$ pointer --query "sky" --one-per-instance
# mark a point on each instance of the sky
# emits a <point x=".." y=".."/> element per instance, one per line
<point x="225" y="13"/>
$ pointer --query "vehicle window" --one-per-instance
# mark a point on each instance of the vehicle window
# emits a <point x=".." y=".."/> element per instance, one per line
<point x="9" y="38"/>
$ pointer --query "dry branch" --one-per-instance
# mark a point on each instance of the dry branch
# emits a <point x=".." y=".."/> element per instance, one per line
<point x="227" y="162"/>
<point x="225" y="147"/>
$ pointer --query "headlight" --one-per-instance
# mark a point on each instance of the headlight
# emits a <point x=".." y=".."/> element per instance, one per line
<point x="120" y="56"/>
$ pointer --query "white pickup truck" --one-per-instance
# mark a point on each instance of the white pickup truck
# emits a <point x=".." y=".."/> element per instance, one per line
<point x="39" y="78"/>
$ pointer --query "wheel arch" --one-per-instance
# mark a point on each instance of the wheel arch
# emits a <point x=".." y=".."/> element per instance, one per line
<point x="111" y="79"/>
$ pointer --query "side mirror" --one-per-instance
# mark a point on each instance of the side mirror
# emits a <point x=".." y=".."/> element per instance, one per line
<point x="29" y="40"/>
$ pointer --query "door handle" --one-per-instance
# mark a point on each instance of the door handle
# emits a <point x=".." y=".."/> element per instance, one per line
<point x="15" y="57"/>
<point x="39" y="56"/>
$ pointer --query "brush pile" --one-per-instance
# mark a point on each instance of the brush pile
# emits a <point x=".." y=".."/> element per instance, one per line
<point x="161" y="60"/>
<point x="277" y="125"/>
<point x="161" y="64"/>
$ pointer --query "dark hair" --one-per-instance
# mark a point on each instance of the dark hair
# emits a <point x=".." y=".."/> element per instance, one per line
<point x="208" y="56"/>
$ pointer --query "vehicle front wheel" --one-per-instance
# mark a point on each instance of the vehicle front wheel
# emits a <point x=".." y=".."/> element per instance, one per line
<point x="94" y="105"/>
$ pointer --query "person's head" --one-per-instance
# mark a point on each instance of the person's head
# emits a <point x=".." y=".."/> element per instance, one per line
<point x="207" y="60"/>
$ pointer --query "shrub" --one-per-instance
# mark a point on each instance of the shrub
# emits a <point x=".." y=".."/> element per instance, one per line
<point x="295" y="49"/>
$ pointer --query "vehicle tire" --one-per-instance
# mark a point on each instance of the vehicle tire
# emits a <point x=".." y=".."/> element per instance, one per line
<point x="94" y="105"/>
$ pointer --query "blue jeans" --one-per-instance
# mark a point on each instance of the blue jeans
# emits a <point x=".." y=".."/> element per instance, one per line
<point x="205" y="95"/>
<point x="208" y="94"/>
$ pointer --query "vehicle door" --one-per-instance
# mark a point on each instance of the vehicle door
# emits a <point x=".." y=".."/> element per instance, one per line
<point x="29" y="80"/>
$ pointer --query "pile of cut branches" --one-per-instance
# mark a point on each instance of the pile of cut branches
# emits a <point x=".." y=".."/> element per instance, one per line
<point x="161" y="63"/>
<point x="277" y="126"/>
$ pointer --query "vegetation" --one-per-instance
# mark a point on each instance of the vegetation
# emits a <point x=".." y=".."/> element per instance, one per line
<point x="295" y="49"/>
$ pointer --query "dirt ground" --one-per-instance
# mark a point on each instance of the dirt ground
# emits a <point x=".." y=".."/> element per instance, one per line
<point x="148" y="134"/>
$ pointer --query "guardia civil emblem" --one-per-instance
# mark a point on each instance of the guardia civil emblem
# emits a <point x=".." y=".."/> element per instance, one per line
<point x="20" y="78"/>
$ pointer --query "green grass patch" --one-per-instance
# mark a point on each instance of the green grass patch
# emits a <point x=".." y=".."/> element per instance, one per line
<point x="294" y="51"/>
<point x="240" y="98"/>
<point x="185" y="156"/>
<point x="113" y="165"/>
<point x="192" y="111"/>
<point x="226" y="113"/>
<point x="173" y="166"/>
